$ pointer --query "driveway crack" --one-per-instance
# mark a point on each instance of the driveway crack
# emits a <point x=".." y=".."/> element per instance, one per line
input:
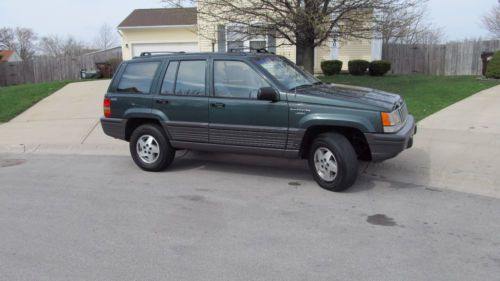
<point x="90" y="132"/>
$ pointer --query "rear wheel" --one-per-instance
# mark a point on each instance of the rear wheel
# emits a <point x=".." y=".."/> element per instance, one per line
<point x="150" y="149"/>
<point x="333" y="162"/>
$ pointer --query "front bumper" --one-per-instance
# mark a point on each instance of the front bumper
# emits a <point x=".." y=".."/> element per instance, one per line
<point x="114" y="127"/>
<point x="385" y="146"/>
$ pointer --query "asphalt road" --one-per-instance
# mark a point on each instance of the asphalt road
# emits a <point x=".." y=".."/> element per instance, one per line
<point x="227" y="217"/>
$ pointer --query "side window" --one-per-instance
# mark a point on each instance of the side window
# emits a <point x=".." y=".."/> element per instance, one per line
<point x="191" y="78"/>
<point x="235" y="79"/>
<point x="138" y="77"/>
<point x="169" y="79"/>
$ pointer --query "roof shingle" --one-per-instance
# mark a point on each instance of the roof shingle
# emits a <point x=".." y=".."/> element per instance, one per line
<point x="160" y="17"/>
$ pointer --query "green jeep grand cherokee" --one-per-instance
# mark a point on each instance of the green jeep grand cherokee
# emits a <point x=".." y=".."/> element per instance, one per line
<point x="256" y="103"/>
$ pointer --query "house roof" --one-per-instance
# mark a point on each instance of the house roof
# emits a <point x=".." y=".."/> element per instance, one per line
<point x="160" y="17"/>
<point x="5" y="54"/>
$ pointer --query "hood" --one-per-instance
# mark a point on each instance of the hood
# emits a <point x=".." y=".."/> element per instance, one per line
<point x="353" y="95"/>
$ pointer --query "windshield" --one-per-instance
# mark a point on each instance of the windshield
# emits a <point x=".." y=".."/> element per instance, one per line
<point x="286" y="72"/>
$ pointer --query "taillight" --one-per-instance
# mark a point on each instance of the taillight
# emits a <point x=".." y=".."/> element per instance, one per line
<point x="107" y="107"/>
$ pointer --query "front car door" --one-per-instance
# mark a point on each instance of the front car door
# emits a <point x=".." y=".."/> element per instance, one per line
<point x="183" y="100"/>
<point x="237" y="117"/>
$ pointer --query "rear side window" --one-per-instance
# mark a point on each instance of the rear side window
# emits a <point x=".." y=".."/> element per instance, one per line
<point x="191" y="78"/>
<point x="138" y="77"/>
<point x="169" y="79"/>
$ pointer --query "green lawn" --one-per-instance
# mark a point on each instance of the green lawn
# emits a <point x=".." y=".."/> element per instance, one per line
<point x="424" y="94"/>
<point x="16" y="99"/>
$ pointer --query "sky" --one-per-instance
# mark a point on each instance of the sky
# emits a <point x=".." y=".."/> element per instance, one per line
<point x="459" y="19"/>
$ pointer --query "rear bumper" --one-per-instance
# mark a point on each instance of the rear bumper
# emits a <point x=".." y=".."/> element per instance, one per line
<point x="385" y="146"/>
<point x="114" y="127"/>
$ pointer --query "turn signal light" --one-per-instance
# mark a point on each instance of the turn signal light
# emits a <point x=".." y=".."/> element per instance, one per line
<point x="107" y="107"/>
<point x="386" y="119"/>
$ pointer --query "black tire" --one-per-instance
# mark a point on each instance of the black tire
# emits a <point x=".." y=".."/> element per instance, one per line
<point x="346" y="159"/>
<point x="166" y="153"/>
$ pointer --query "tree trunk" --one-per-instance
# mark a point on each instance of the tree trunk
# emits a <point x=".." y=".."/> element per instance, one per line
<point x="308" y="58"/>
<point x="299" y="50"/>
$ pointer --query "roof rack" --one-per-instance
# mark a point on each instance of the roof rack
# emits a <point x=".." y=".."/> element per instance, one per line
<point x="145" y="54"/>
<point x="251" y="50"/>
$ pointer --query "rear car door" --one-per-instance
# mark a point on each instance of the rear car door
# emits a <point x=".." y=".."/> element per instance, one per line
<point x="237" y="117"/>
<point x="183" y="99"/>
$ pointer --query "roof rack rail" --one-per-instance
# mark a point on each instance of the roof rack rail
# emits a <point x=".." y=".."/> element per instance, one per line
<point x="251" y="50"/>
<point x="144" y="54"/>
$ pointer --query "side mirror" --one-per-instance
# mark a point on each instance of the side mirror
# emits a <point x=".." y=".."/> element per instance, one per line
<point x="267" y="93"/>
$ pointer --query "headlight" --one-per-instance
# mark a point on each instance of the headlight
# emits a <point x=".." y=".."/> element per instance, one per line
<point x="391" y="121"/>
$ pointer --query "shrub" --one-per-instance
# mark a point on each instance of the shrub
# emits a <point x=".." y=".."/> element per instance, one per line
<point x="379" y="67"/>
<point x="493" y="68"/>
<point x="331" y="67"/>
<point x="358" y="67"/>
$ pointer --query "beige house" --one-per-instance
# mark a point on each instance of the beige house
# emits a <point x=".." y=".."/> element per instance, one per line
<point x="182" y="29"/>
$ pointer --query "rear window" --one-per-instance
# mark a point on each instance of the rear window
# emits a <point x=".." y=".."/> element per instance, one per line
<point x="138" y="77"/>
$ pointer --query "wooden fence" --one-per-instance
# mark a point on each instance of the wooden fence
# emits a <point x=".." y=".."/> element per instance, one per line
<point x="455" y="58"/>
<point x="46" y="68"/>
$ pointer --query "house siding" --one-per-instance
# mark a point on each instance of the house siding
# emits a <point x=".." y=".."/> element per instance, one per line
<point x="355" y="49"/>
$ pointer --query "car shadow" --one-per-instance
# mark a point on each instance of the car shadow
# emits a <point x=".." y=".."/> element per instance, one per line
<point x="292" y="170"/>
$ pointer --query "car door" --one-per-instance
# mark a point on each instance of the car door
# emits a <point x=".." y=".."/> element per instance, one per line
<point x="183" y="100"/>
<point x="237" y="117"/>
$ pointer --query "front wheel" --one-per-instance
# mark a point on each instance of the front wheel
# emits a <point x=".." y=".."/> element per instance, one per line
<point x="150" y="149"/>
<point x="333" y="162"/>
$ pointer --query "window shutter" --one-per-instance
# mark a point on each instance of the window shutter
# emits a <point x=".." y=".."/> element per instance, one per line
<point x="221" y="38"/>
<point x="271" y="40"/>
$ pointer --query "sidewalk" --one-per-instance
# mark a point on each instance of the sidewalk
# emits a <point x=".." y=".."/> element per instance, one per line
<point x="456" y="148"/>
<point x="65" y="122"/>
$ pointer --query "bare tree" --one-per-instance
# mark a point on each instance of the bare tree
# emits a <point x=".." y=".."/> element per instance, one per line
<point x="491" y="21"/>
<point x="304" y="23"/>
<point x="403" y="24"/>
<point x="56" y="46"/>
<point x="24" y="45"/>
<point x="426" y="34"/>
<point x="106" y="38"/>
<point x="7" y="37"/>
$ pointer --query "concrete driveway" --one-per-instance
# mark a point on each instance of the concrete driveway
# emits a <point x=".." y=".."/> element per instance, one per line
<point x="456" y="148"/>
<point x="65" y="122"/>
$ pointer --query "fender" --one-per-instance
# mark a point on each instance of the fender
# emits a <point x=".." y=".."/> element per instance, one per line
<point x="147" y="113"/>
<point x="360" y="122"/>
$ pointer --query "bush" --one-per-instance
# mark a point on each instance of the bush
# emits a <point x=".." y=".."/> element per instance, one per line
<point x="331" y="67"/>
<point x="358" y="67"/>
<point x="379" y="67"/>
<point x="493" y="68"/>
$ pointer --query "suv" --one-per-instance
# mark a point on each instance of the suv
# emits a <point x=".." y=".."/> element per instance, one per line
<point x="255" y="103"/>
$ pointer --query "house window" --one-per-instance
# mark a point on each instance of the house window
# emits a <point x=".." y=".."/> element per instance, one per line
<point x="235" y="45"/>
<point x="239" y="37"/>
<point x="257" y="44"/>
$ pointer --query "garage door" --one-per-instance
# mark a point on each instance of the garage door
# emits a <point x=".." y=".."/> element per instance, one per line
<point x="137" y="49"/>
